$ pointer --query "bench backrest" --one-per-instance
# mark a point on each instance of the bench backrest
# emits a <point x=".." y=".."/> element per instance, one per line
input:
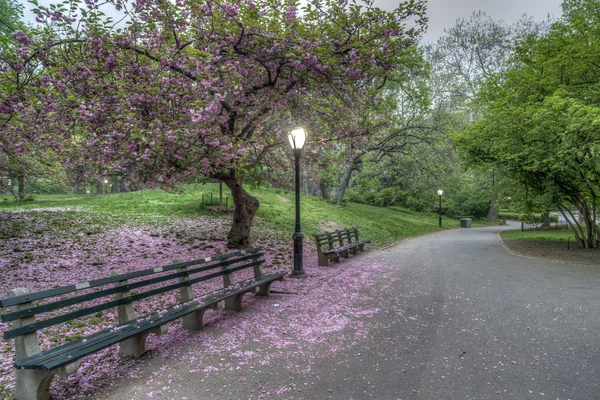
<point x="334" y="238"/>
<point x="155" y="281"/>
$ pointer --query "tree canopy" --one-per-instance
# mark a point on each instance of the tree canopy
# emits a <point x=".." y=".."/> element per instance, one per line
<point x="210" y="87"/>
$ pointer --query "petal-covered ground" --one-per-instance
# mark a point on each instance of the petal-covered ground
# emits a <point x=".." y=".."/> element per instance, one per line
<point x="315" y="317"/>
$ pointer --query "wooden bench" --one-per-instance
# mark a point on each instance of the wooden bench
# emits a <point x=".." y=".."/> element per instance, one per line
<point x="332" y="245"/>
<point x="35" y="368"/>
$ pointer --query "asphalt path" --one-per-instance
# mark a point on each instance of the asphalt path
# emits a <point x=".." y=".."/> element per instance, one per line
<point x="488" y="324"/>
<point x="459" y="318"/>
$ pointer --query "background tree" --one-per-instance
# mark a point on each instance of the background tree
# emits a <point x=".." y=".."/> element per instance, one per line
<point x="541" y="122"/>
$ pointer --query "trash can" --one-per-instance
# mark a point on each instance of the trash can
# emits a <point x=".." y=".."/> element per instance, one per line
<point x="465" y="222"/>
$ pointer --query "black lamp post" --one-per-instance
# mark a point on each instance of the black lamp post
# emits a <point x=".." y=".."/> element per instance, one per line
<point x="440" y="193"/>
<point x="297" y="137"/>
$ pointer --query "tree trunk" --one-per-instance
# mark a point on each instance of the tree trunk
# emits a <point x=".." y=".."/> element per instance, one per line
<point x="590" y="224"/>
<point x="116" y="187"/>
<point x="324" y="190"/>
<point x="21" y="188"/>
<point x="571" y="221"/>
<point x="305" y="189"/>
<point x="344" y="183"/>
<point x="547" y="218"/>
<point x="100" y="187"/>
<point x="220" y="194"/>
<point x="246" y="207"/>
<point x="492" y="211"/>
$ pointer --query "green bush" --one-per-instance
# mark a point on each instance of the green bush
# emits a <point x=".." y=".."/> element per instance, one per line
<point x="386" y="197"/>
<point x="58" y="184"/>
<point x="509" y="215"/>
<point x="354" y="196"/>
<point x="537" y="218"/>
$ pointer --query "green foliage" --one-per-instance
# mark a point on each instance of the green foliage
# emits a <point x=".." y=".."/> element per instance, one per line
<point x="509" y="215"/>
<point x="536" y="218"/>
<point x="57" y="184"/>
<point x="11" y="16"/>
<point x="469" y="202"/>
<point x="541" y="123"/>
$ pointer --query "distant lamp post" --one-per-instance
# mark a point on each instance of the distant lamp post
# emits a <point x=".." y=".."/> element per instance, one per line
<point x="297" y="137"/>
<point x="440" y="193"/>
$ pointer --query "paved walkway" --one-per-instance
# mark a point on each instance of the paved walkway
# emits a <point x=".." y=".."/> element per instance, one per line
<point x="449" y="315"/>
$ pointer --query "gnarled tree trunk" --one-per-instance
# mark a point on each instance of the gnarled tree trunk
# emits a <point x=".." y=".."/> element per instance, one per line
<point x="345" y="181"/>
<point x="246" y="207"/>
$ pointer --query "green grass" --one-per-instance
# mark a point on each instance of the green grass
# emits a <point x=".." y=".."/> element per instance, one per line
<point x="277" y="212"/>
<point x="560" y="234"/>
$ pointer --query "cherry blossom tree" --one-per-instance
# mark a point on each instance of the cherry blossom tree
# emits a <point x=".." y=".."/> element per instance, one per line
<point x="207" y="87"/>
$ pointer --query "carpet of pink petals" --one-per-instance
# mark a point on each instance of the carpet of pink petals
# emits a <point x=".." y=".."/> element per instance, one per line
<point x="45" y="249"/>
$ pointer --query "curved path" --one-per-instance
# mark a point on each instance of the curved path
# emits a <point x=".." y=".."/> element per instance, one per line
<point x="458" y="318"/>
<point x="496" y="325"/>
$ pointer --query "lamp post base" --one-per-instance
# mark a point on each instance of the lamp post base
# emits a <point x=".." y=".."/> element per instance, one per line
<point x="440" y="221"/>
<point x="296" y="274"/>
<point x="298" y="271"/>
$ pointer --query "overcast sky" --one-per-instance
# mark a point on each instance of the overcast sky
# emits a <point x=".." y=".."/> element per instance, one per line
<point x="444" y="13"/>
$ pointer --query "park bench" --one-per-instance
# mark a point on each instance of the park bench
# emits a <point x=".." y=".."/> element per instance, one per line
<point x="332" y="245"/>
<point x="35" y="368"/>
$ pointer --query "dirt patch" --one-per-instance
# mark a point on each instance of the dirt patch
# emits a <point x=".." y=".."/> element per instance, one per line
<point x="328" y="226"/>
<point x="281" y="198"/>
<point x="555" y="250"/>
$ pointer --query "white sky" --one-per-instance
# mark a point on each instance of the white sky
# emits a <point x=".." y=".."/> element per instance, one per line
<point x="444" y="13"/>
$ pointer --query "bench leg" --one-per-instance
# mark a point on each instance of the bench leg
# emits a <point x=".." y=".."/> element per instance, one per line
<point x="136" y="346"/>
<point x="323" y="260"/>
<point x="353" y="250"/>
<point x="234" y="303"/>
<point x="264" y="290"/>
<point x="361" y="247"/>
<point x="34" y="384"/>
<point x="344" y="254"/>
<point x="193" y="321"/>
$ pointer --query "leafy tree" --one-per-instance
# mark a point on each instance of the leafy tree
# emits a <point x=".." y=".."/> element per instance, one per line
<point x="207" y="87"/>
<point x="11" y="18"/>
<point x="541" y="118"/>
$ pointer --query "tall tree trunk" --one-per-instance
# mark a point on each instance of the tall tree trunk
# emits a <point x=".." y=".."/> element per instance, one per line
<point x="305" y="188"/>
<point x="116" y="187"/>
<point x="220" y="194"/>
<point x="590" y="224"/>
<point x="21" y="188"/>
<point x="344" y="181"/>
<point x="547" y="218"/>
<point x="492" y="211"/>
<point x="246" y="207"/>
<point x="324" y="190"/>
<point x="579" y="234"/>
<point x="594" y="216"/>
<point x="100" y="187"/>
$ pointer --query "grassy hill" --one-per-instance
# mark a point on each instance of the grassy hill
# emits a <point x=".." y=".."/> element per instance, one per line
<point x="276" y="213"/>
